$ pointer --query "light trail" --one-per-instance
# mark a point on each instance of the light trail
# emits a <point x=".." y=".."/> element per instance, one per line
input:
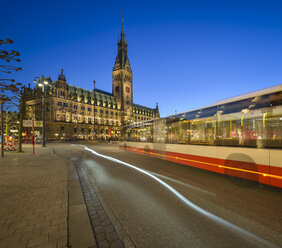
<point x="183" y="184"/>
<point x="262" y="242"/>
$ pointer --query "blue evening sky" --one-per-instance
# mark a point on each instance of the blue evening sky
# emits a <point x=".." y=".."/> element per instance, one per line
<point x="183" y="54"/>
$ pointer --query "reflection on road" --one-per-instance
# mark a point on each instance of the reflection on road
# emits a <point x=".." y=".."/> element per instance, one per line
<point x="260" y="242"/>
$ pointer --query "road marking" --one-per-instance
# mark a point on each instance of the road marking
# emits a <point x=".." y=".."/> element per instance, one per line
<point x="183" y="184"/>
<point x="262" y="242"/>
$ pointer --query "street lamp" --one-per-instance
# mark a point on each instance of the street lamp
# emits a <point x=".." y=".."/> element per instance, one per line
<point x="42" y="82"/>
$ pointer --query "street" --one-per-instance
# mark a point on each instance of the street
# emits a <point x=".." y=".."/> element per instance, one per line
<point x="163" y="204"/>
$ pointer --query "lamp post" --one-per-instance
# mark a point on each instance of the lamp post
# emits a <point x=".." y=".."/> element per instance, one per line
<point x="94" y="82"/>
<point x="42" y="83"/>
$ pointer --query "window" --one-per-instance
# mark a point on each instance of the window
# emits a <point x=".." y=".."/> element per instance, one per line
<point x="82" y="108"/>
<point x="89" y="109"/>
<point x="65" y="104"/>
<point x="62" y="128"/>
<point x="62" y="93"/>
<point x="75" y="106"/>
<point x="96" y="110"/>
<point x="82" y="130"/>
<point x="101" y="111"/>
<point x="89" y="120"/>
<point x="112" y="113"/>
<point x="116" y="113"/>
<point x="60" y="104"/>
<point x="127" y="89"/>
<point x="117" y="88"/>
<point x="107" y="112"/>
<point x="75" y="130"/>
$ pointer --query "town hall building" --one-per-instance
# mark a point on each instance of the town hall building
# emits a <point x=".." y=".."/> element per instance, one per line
<point x="75" y="113"/>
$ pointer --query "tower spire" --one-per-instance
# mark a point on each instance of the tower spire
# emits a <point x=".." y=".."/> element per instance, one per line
<point x="122" y="58"/>
<point x="122" y="23"/>
<point x="122" y="35"/>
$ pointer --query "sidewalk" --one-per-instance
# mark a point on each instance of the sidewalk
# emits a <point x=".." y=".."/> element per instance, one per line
<point x="48" y="201"/>
<point x="33" y="199"/>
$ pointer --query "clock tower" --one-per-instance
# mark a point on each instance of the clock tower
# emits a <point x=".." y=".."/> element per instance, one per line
<point x="122" y="80"/>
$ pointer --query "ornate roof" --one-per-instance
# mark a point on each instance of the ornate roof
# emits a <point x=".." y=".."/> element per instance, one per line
<point x="100" y="95"/>
<point x="143" y="108"/>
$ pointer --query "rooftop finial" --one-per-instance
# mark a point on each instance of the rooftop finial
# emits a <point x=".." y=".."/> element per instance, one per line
<point x="62" y="72"/>
<point x="122" y="21"/>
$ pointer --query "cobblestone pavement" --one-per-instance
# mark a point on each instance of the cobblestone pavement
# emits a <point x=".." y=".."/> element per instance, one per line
<point x="107" y="230"/>
<point x="33" y="200"/>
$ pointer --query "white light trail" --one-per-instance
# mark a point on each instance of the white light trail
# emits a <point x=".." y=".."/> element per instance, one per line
<point x="263" y="243"/>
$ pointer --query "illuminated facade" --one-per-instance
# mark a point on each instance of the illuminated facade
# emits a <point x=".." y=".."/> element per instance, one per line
<point x="76" y="113"/>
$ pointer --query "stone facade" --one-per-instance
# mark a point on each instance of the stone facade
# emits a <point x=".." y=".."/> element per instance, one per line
<point x="76" y="113"/>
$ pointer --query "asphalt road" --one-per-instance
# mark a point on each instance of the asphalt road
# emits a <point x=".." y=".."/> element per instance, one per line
<point x="164" y="204"/>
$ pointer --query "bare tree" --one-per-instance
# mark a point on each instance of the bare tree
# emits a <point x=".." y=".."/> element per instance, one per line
<point x="12" y="90"/>
<point x="8" y="56"/>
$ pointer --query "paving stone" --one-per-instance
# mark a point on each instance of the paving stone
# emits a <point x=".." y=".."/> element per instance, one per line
<point x="104" y="244"/>
<point x="117" y="244"/>
<point x="101" y="236"/>
<point x="37" y="240"/>
<point x="109" y="229"/>
<point x="99" y="229"/>
<point x="104" y="230"/>
<point x="48" y="245"/>
<point x="34" y="195"/>
<point x="112" y="236"/>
